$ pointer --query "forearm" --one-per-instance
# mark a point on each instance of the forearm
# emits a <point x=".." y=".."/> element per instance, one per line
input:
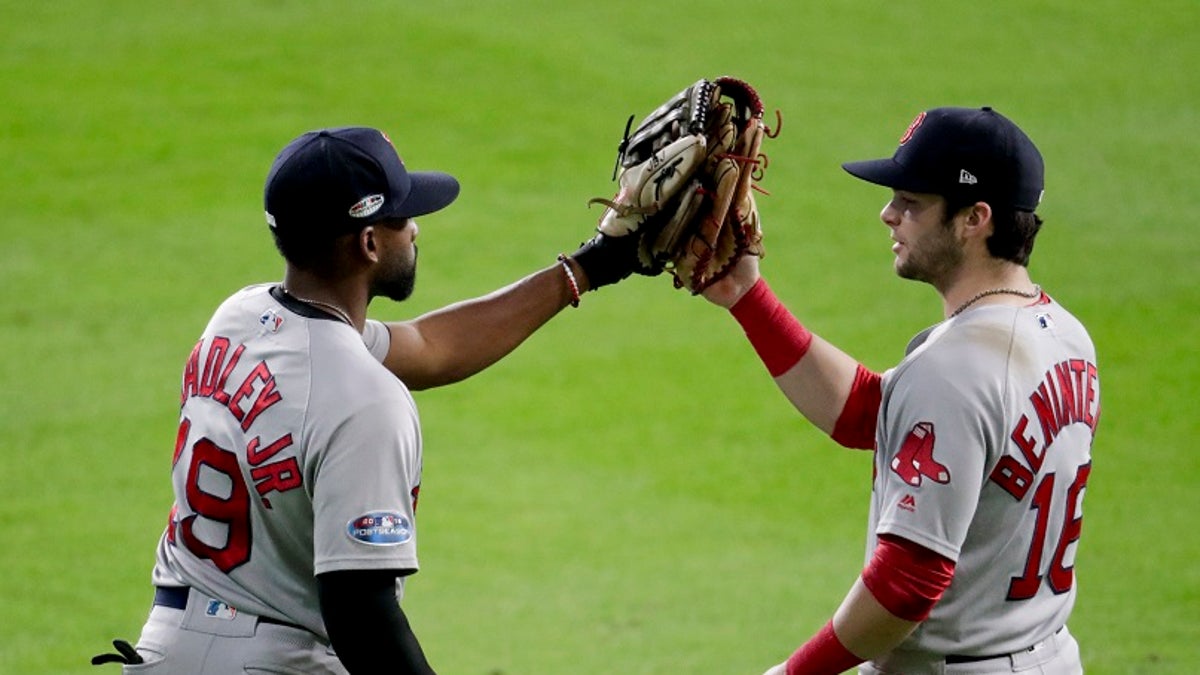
<point x="815" y="376"/>
<point x="819" y="384"/>
<point x="368" y="630"/>
<point x="865" y="626"/>
<point x="458" y="341"/>
<point x="893" y="595"/>
<point x="860" y="630"/>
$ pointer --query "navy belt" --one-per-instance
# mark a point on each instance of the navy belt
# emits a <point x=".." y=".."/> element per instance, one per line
<point x="960" y="658"/>
<point x="176" y="597"/>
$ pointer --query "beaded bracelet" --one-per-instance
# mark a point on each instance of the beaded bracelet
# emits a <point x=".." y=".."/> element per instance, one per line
<point x="562" y="258"/>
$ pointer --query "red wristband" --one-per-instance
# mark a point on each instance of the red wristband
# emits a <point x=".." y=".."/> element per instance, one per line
<point x="823" y="654"/>
<point x="778" y="337"/>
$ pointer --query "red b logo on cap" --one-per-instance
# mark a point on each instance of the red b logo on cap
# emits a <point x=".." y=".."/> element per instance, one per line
<point x="912" y="128"/>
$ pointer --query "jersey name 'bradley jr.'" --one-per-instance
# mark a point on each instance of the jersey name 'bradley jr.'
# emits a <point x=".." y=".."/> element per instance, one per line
<point x="245" y="400"/>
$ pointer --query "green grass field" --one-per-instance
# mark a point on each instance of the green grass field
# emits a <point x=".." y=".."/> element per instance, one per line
<point x="627" y="493"/>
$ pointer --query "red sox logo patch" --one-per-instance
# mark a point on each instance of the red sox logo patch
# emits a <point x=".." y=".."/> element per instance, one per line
<point x="912" y="129"/>
<point x="389" y="140"/>
<point x="915" y="459"/>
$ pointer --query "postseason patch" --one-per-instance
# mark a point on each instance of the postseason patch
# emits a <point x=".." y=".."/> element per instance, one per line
<point x="380" y="528"/>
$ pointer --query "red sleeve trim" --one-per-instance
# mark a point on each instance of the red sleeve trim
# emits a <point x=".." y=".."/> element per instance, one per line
<point x="907" y="578"/>
<point x="778" y="337"/>
<point x="855" y="427"/>
<point x="823" y="654"/>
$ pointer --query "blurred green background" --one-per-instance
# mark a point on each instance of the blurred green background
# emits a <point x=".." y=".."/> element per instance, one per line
<point x="626" y="493"/>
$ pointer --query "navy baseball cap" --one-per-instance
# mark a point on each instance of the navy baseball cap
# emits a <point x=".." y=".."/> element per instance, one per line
<point x="962" y="152"/>
<point x="348" y="177"/>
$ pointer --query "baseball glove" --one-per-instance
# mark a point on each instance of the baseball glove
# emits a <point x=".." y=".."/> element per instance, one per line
<point x="686" y="176"/>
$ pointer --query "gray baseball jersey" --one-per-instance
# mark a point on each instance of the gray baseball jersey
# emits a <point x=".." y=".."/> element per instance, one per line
<point x="983" y="455"/>
<point x="298" y="453"/>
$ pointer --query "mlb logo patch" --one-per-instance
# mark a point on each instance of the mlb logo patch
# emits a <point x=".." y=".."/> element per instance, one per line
<point x="219" y="610"/>
<point x="271" y="320"/>
<point x="1045" y="320"/>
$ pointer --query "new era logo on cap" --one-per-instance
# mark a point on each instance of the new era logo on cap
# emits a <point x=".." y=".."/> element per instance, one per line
<point x="965" y="178"/>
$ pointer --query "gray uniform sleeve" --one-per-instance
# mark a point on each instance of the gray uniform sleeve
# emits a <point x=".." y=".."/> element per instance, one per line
<point x="365" y="489"/>
<point x="940" y="434"/>
<point x="377" y="339"/>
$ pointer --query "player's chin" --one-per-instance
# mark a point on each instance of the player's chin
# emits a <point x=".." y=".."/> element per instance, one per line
<point x="402" y="292"/>
<point x="397" y="288"/>
<point x="905" y="270"/>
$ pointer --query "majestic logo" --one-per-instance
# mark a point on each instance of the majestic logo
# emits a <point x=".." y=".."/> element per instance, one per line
<point x="366" y="206"/>
<point x="912" y="129"/>
<point x="915" y="459"/>
<point x="380" y="528"/>
<point x="908" y="503"/>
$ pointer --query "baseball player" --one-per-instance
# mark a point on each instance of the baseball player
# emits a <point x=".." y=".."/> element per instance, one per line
<point x="297" y="463"/>
<point x="982" y="433"/>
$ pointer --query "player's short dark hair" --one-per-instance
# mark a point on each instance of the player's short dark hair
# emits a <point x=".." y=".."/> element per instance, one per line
<point x="308" y="248"/>
<point x="1014" y="230"/>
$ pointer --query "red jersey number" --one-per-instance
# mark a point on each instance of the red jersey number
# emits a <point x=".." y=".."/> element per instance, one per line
<point x="232" y="510"/>
<point x="1058" y="576"/>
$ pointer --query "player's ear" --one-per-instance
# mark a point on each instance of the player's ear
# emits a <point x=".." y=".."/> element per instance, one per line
<point x="367" y="244"/>
<point x="977" y="220"/>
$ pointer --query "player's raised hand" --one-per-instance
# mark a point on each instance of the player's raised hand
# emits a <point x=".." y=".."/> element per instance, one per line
<point x="730" y="288"/>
